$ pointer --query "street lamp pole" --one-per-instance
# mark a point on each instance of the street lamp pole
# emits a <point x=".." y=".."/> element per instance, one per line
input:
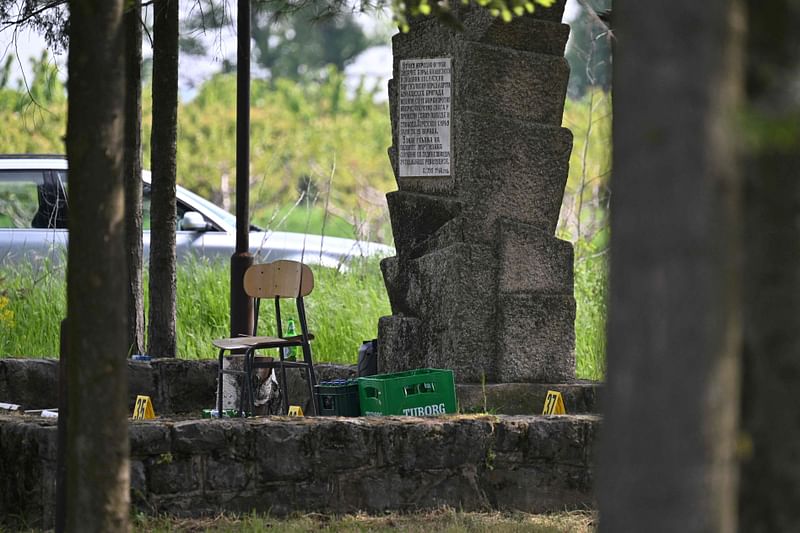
<point x="241" y="304"/>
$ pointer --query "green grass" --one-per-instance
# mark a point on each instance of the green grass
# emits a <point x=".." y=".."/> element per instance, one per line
<point x="591" y="295"/>
<point x="440" y="521"/>
<point x="343" y="311"/>
<point x="305" y="219"/>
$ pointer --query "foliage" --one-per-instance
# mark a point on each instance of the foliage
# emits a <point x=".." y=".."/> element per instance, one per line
<point x="6" y="314"/>
<point x="34" y="116"/>
<point x="589" y="48"/>
<point x="291" y="40"/>
<point x="48" y="18"/>
<point x="506" y="9"/>
<point x="584" y="210"/>
<point x="584" y="221"/>
<point x="312" y="139"/>
<point x="307" y="139"/>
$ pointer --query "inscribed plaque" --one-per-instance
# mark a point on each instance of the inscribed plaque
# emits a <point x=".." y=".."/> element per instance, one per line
<point x="425" y="94"/>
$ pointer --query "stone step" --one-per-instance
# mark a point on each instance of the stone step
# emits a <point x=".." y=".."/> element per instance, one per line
<point x="536" y="338"/>
<point x="531" y="260"/>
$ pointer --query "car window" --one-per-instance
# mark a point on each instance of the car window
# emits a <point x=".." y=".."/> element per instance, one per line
<point x="32" y="199"/>
<point x="180" y="207"/>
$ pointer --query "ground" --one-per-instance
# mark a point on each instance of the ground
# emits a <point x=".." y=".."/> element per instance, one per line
<point x="445" y="520"/>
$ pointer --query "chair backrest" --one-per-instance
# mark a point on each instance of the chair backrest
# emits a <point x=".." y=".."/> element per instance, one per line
<point x="282" y="279"/>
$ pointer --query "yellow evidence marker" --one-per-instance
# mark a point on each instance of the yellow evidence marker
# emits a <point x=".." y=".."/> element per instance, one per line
<point x="554" y="404"/>
<point x="143" y="410"/>
<point x="295" y="410"/>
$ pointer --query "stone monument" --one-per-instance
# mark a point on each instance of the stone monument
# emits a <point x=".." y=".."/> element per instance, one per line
<point x="480" y="284"/>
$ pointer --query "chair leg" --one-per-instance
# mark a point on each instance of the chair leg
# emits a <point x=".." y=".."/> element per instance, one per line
<point x="219" y="384"/>
<point x="250" y="358"/>
<point x="284" y="389"/>
<point x="311" y="375"/>
<point x="310" y="378"/>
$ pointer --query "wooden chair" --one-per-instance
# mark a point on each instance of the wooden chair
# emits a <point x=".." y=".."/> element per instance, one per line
<point x="277" y="280"/>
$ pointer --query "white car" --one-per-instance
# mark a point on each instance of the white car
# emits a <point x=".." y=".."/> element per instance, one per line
<point x="34" y="210"/>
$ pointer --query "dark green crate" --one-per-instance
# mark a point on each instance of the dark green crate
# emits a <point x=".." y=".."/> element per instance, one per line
<point x="338" y="398"/>
<point x="423" y="392"/>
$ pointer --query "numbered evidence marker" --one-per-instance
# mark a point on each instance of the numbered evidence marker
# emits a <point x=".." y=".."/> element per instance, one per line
<point x="295" y="410"/>
<point x="143" y="410"/>
<point x="554" y="404"/>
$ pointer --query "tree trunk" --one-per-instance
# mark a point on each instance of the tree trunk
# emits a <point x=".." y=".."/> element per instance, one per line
<point x="770" y="489"/>
<point x="133" y="174"/>
<point x="97" y="427"/>
<point x="161" y="327"/>
<point x="667" y="458"/>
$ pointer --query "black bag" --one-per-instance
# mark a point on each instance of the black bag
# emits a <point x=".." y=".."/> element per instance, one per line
<point x="368" y="358"/>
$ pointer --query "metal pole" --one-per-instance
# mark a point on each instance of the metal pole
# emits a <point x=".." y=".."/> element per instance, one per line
<point x="241" y="304"/>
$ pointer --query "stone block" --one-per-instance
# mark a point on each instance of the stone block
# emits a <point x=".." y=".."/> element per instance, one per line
<point x="416" y="217"/>
<point x="283" y="450"/>
<point x="341" y="445"/>
<point x="551" y="37"/>
<point x="451" y="232"/>
<point x="399" y="346"/>
<point x="142" y="381"/>
<point x="491" y="80"/>
<point x="502" y="167"/>
<point x="532" y="260"/>
<point x="148" y="438"/>
<point x="31" y="383"/>
<point x="509" y="168"/>
<point x="184" y="385"/>
<point x="558" y="439"/>
<point x="538" y="32"/>
<point x="544" y="489"/>
<point x="171" y="474"/>
<point x="527" y="398"/>
<point x="537" y="338"/>
<point x="452" y="293"/>
<point x="199" y="436"/>
<point x="499" y="82"/>
<point x="138" y="482"/>
<point x="228" y="474"/>
<point x="396" y="282"/>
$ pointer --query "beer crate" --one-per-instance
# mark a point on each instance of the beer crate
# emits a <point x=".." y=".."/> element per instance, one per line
<point x="423" y="392"/>
<point x="338" y="397"/>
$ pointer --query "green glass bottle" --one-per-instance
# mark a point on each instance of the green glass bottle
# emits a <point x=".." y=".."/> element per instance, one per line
<point x="291" y="331"/>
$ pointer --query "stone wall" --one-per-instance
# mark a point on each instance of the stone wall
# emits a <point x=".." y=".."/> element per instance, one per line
<point x="180" y="386"/>
<point x="331" y="465"/>
<point x="480" y="284"/>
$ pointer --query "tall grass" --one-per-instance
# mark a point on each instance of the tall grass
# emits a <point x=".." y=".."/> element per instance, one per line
<point x="591" y="296"/>
<point x="343" y="310"/>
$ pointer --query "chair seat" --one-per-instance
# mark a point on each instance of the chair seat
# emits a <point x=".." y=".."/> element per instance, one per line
<point x="243" y="343"/>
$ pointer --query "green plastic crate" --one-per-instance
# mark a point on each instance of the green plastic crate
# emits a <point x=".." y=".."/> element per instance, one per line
<point x="338" y="398"/>
<point x="423" y="392"/>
